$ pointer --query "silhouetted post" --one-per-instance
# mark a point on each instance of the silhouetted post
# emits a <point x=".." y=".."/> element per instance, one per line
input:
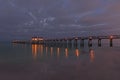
<point x="45" y="42"/>
<point x="52" y="42"/>
<point x="65" y="43"/>
<point x="49" y="42"/>
<point x="76" y="40"/>
<point x="99" y="42"/>
<point x="69" y="42"/>
<point x="90" y="42"/>
<point x="111" y="41"/>
<point x="42" y="42"/>
<point x="60" y="42"/>
<point x="57" y="44"/>
<point x="82" y="43"/>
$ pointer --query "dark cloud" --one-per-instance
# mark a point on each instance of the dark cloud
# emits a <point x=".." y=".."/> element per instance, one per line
<point x="50" y="18"/>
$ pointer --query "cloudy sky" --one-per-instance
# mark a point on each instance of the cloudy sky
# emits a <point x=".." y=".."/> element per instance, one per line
<point x="22" y="19"/>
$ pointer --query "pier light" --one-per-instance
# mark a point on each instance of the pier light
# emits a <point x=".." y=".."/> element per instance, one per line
<point x="111" y="37"/>
<point x="76" y="38"/>
<point x="40" y="39"/>
<point x="90" y="37"/>
<point x="34" y="39"/>
<point x="37" y="39"/>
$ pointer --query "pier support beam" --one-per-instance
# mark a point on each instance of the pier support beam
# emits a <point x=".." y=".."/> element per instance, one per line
<point x="51" y="42"/>
<point x="70" y="42"/>
<point x="82" y="42"/>
<point x="57" y="42"/>
<point x="45" y="42"/>
<point x="90" y="42"/>
<point x="111" y="42"/>
<point x="65" y="43"/>
<point x="75" y="43"/>
<point x="99" y="42"/>
<point x="61" y="43"/>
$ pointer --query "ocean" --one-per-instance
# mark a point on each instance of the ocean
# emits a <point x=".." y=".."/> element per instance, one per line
<point x="40" y="62"/>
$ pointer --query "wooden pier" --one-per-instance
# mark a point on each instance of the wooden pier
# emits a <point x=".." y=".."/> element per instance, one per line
<point x="71" y="41"/>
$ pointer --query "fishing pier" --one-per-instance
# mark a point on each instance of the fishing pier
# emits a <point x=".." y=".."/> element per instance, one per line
<point x="70" y="41"/>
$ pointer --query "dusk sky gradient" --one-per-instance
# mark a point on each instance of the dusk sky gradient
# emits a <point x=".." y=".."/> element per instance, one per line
<point x="22" y="19"/>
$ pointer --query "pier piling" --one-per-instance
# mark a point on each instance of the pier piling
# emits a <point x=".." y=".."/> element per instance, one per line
<point x="90" y="42"/>
<point x="82" y="42"/>
<point x="111" y="41"/>
<point x="99" y="42"/>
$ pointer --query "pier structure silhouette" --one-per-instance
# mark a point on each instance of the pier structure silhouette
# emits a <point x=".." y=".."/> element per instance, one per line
<point x="72" y="41"/>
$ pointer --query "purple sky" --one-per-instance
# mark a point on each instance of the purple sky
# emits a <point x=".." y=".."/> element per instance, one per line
<point x="22" y="19"/>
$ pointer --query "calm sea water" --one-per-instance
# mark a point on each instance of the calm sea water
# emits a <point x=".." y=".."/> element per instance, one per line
<point x="38" y="62"/>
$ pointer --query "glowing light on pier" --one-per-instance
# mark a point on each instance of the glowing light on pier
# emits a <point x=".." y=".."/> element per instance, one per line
<point x="37" y="39"/>
<point x="76" y="38"/>
<point x="111" y="37"/>
<point x="90" y="37"/>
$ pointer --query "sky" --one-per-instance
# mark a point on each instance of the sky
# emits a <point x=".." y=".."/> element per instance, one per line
<point x="22" y="19"/>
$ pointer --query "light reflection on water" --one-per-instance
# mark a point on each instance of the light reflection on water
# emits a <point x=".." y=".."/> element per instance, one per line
<point x="54" y="51"/>
<point x="92" y="55"/>
<point x="58" y="52"/>
<point x="39" y="62"/>
<point x="77" y="52"/>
